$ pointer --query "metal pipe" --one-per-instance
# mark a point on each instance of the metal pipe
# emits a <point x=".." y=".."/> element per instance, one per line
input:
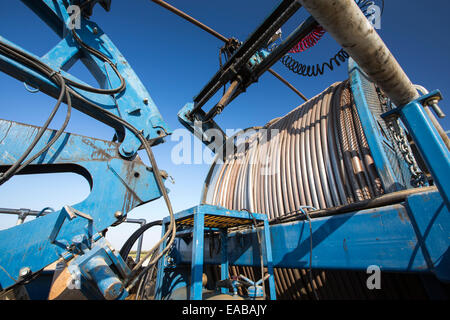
<point x="290" y="86"/>
<point x="220" y="37"/>
<point x="22" y="214"/>
<point x="142" y="222"/>
<point x="224" y="101"/>
<point x="19" y="211"/>
<point x="350" y="28"/>
<point x="190" y="19"/>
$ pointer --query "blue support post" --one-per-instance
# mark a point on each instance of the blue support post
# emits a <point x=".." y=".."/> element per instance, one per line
<point x="224" y="265"/>
<point x="268" y="247"/>
<point x="197" y="257"/>
<point x="216" y="218"/>
<point x="431" y="146"/>
<point x="429" y="143"/>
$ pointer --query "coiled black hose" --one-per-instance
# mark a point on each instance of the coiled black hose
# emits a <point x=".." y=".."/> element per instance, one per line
<point x="317" y="69"/>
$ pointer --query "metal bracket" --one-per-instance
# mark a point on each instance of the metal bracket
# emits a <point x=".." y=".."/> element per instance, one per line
<point x="423" y="100"/>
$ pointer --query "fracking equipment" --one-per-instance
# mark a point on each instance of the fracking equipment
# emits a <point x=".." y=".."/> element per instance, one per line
<point x="356" y="178"/>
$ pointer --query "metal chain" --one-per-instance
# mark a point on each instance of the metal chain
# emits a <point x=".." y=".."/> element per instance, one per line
<point x="398" y="134"/>
<point x="418" y="178"/>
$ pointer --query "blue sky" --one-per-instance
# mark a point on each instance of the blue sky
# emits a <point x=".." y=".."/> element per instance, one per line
<point x="175" y="59"/>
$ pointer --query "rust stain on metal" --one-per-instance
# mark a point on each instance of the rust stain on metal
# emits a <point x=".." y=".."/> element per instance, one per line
<point x="98" y="153"/>
<point x="403" y="216"/>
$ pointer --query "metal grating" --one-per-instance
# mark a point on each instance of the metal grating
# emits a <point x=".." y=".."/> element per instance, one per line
<point x="214" y="221"/>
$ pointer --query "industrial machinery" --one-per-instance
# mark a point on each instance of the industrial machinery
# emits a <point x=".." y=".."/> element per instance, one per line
<point x="355" y="178"/>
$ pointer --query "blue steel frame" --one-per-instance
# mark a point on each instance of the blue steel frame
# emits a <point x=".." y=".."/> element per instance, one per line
<point x="371" y="130"/>
<point x="429" y="143"/>
<point x="411" y="236"/>
<point x="407" y="237"/>
<point x="119" y="180"/>
<point x="133" y="105"/>
<point x="117" y="185"/>
<point x="197" y="251"/>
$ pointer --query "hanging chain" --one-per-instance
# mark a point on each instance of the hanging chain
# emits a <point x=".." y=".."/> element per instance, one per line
<point x="398" y="134"/>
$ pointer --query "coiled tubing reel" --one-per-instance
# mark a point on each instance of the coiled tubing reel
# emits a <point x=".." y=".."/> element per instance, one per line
<point x="319" y="156"/>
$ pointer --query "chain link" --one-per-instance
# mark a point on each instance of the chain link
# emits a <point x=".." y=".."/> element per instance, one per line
<point x="418" y="178"/>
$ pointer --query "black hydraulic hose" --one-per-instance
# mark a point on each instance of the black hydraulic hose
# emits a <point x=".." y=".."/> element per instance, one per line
<point x="104" y="58"/>
<point x="57" y="79"/>
<point x="126" y="248"/>
<point x="172" y="226"/>
<point x="384" y="200"/>
<point x="36" y="64"/>
<point x="51" y="142"/>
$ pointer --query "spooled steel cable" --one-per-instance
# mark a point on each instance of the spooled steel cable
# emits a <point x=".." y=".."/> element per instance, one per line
<point x="315" y="156"/>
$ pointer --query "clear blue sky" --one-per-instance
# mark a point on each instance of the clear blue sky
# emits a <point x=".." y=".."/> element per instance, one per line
<point x="174" y="59"/>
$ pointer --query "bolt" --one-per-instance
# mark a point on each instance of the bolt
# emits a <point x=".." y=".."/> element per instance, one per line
<point x="95" y="30"/>
<point x="24" y="272"/>
<point x="146" y="100"/>
<point x="118" y="214"/>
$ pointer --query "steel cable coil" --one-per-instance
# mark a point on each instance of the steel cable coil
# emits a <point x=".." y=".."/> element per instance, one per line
<point x="317" y="155"/>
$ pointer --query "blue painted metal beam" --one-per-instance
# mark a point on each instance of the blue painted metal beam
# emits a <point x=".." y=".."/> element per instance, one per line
<point x="197" y="255"/>
<point x="371" y="130"/>
<point x="386" y="236"/>
<point x="134" y="104"/>
<point x="430" y="145"/>
<point x="116" y="185"/>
